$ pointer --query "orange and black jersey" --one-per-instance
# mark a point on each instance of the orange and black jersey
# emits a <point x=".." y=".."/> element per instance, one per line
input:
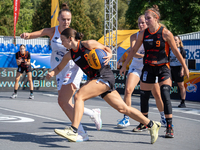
<point x="79" y="56"/>
<point x="156" y="49"/>
<point x="24" y="57"/>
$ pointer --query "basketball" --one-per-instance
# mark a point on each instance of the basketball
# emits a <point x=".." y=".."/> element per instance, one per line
<point x="95" y="58"/>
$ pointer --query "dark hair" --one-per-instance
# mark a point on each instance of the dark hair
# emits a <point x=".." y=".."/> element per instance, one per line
<point x="65" y="7"/>
<point x="22" y="45"/>
<point x="69" y="32"/>
<point x="155" y="11"/>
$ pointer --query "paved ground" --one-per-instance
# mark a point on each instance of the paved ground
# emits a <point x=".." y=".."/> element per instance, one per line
<point x="28" y="125"/>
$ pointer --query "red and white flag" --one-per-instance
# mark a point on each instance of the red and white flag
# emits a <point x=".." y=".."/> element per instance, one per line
<point x="16" y="13"/>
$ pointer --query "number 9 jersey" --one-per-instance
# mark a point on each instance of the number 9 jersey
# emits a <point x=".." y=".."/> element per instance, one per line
<point x="156" y="49"/>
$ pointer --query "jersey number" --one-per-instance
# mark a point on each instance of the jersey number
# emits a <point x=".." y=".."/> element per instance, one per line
<point x="157" y="43"/>
<point x="86" y="55"/>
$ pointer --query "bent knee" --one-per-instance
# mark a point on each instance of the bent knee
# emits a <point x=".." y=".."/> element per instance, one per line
<point x="63" y="101"/>
<point x="122" y="110"/>
<point x="128" y="91"/>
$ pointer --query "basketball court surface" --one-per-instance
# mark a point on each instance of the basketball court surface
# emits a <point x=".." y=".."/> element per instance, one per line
<point x="27" y="124"/>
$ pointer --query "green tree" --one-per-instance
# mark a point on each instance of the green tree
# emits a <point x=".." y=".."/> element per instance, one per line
<point x="6" y="19"/>
<point x="95" y="11"/>
<point x="7" y="22"/>
<point x="179" y="16"/>
<point x="42" y="16"/>
<point x="80" y="21"/>
<point x="122" y="8"/>
<point x="25" y="17"/>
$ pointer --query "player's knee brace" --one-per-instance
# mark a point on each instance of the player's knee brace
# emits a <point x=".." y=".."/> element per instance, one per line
<point x="165" y="94"/>
<point x="144" y="101"/>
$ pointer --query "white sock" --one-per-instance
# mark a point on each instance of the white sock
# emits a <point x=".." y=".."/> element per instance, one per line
<point x="162" y="114"/>
<point x="80" y="128"/>
<point x="88" y="112"/>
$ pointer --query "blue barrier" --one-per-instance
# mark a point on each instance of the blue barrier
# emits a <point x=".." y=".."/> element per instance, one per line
<point x="8" y="60"/>
<point x="46" y="49"/>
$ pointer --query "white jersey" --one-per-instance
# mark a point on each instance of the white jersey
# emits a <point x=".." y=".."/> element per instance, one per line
<point x="137" y="63"/>
<point x="71" y="73"/>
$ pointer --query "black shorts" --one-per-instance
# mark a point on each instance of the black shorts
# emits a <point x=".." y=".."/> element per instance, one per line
<point x="149" y="73"/>
<point x="22" y="69"/>
<point x="176" y="73"/>
<point x="107" y="75"/>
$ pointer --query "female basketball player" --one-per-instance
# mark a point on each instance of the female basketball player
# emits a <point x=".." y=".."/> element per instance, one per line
<point x="133" y="78"/>
<point x="177" y="70"/>
<point x="68" y="80"/>
<point x="101" y="83"/>
<point x="157" y="40"/>
<point x="23" y="59"/>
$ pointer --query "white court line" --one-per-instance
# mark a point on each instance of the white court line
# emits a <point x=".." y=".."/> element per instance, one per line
<point x="151" y="100"/>
<point x="32" y="115"/>
<point x="190" y="111"/>
<point x="178" y="102"/>
<point x="180" y="117"/>
<point x="36" y="133"/>
<point x="51" y="95"/>
<point x="90" y="105"/>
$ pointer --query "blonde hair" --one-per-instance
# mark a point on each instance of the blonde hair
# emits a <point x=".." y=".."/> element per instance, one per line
<point x="141" y="16"/>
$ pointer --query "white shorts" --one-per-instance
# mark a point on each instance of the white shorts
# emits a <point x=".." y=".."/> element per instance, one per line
<point x="138" y="72"/>
<point x="66" y="76"/>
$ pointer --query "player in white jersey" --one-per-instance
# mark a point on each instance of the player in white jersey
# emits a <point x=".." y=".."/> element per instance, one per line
<point x="68" y="80"/>
<point x="133" y="77"/>
<point x="71" y="73"/>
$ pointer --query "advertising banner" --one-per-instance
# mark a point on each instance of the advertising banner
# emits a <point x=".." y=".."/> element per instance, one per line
<point x="16" y="13"/>
<point x="54" y="12"/>
<point x="192" y="48"/>
<point x="192" y="86"/>
<point x="121" y="80"/>
<point x="7" y="80"/>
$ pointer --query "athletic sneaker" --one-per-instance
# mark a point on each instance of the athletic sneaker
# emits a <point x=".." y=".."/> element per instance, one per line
<point x="182" y="105"/>
<point x="14" y="95"/>
<point x="169" y="133"/>
<point x="163" y="121"/>
<point x="31" y="96"/>
<point x="124" y="123"/>
<point x="140" y="128"/>
<point x="97" y="118"/>
<point x="154" y="131"/>
<point x="67" y="133"/>
<point x="82" y="136"/>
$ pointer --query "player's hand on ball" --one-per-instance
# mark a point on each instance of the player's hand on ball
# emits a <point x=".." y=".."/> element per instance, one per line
<point x="107" y="58"/>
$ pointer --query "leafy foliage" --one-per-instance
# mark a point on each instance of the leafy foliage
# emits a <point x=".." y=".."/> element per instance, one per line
<point x="6" y="19"/>
<point x="42" y="16"/>
<point x="179" y="16"/>
<point x="88" y="16"/>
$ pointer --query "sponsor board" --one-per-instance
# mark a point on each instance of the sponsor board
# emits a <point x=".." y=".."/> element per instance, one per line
<point x="121" y="80"/>
<point x="192" y="86"/>
<point x="7" y="80"/>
